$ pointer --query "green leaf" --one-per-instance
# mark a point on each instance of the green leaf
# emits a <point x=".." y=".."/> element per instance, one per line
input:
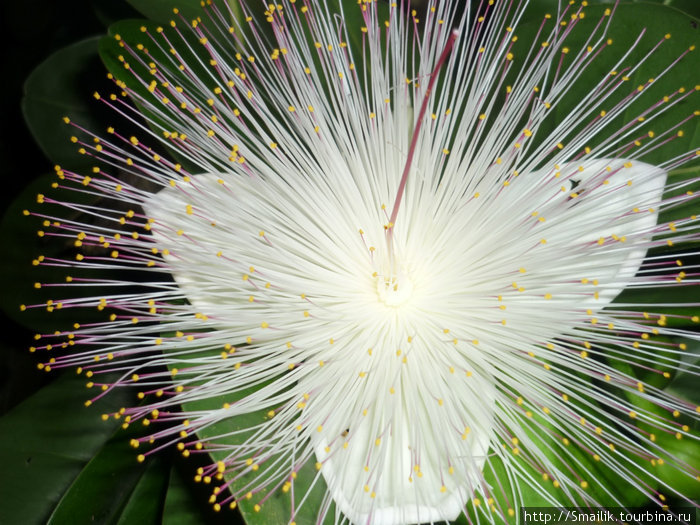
<point x="132" y="71"/>
<point x="683" y="451"/>
<point x="689" y="7"/>
<point x="162" y="10"/>
<point x="18" y="234"/>
<point x="44" y="444"/>
<point x="685" y="382"/>
<point x="62" y="86"/>
<point x="103" y="487"/>
<point x="184" y="506"/>
<point x="689" y="180"/>
<point x="602" y="480"/>
<point x="650" y="370"/>
<point x="148" y="497"/>
<point x="180" y="506"/>
<point x="656" y="21"/>
<point x="629" y="21"/>
<point x="277" y="507"/>
<point x="685" y="386"/>
<point x="655" y="302"/>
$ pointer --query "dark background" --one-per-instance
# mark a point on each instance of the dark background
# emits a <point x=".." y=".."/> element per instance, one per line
<point x="30" y="31"/>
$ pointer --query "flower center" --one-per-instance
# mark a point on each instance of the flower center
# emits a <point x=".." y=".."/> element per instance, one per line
<point x="394" y="290"/>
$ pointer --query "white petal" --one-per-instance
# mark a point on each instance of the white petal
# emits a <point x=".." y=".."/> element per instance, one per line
<point x="447" y="294"/>
<point x="168" y="208"/>
<point x="638" y="186"/>
<point x="609" y="191"/>
<point x="397" y="500"/>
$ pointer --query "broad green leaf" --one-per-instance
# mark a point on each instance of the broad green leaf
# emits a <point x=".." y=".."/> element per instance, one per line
<point x="277" y="507"/>
<point x="629" y="21"/>
<point x="45" y="442"/>
<point x="59" y="87"/>
<point x="665" y="360"/>
<point x="601" y="482"/>
<point x="147" y="500"/>
<point x="688" y="180"/>
<point x="162" y="10"/>
<point x="685" y="450"/>
<point x="180" y="507"/>
<point x="655" y="21"/>
<point x="675" y="303"/>
<point x="685" y="385"/>
<point x="122" y="57"/>
<point x="689" y="7"/>
<point x="654" y="366"/>
<point x="685" y="382"/>
<point x="103" y="487"/>
<point x="670" y="447"/>
<point x="184" y="506"/>
<point x="537" y="8"/>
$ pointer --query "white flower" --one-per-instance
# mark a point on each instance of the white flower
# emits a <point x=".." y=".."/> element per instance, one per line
<point x="406" y="345"/>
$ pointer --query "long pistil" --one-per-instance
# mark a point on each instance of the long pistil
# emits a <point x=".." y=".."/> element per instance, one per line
<point x="416" y="133"/>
